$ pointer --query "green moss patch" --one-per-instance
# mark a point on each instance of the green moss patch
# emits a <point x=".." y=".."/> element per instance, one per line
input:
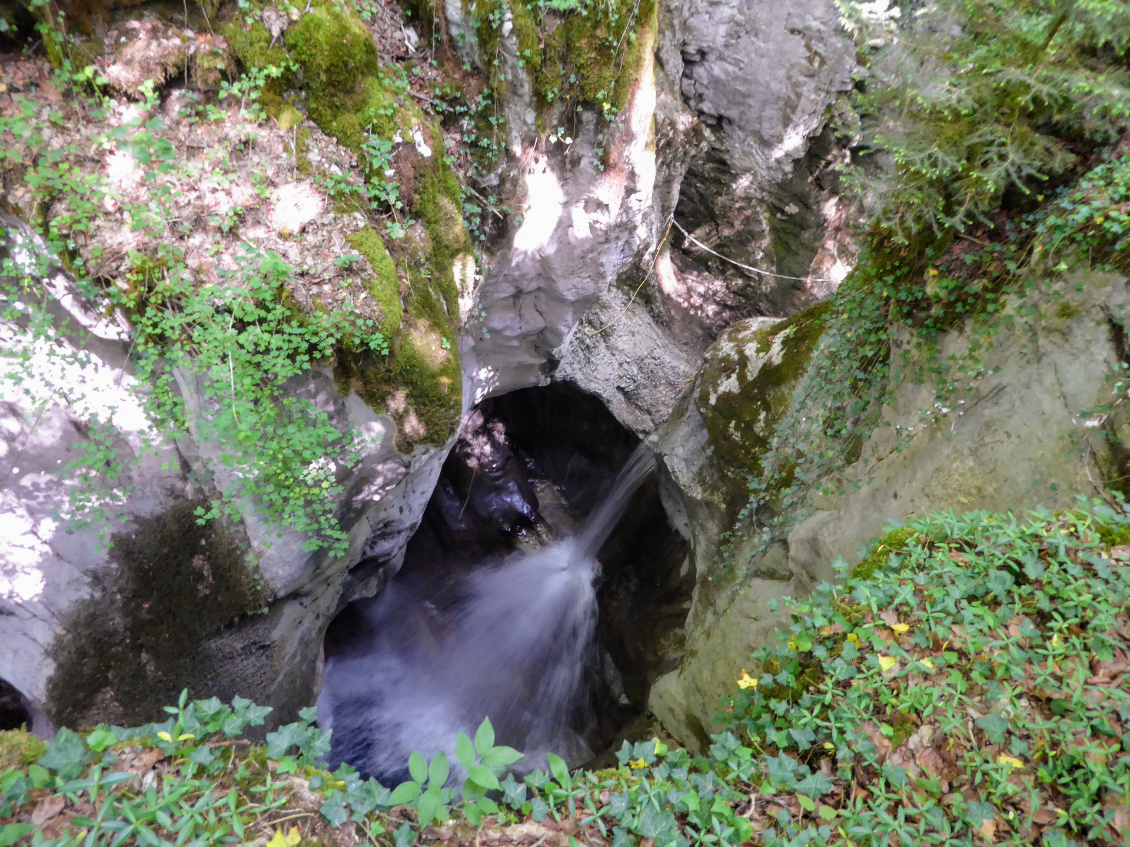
<point x="335" y="49"/>
<point x="423" y="395"/>
<point x="890" y="544"/>
<point x="589" y="54"/>
<point x="134" y="645"/>
<point x="747" y="383"/>
<point x="18" y="749"/>
<point x="384" y="286"/>
<point x="252" y="45"/>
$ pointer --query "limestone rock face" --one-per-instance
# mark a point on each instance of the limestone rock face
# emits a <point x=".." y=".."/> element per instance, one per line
<point x="761" y="78"/>
<point x="106" y="614"/>
<point x="1036" y="425"/>
<point x="598" y="286"/>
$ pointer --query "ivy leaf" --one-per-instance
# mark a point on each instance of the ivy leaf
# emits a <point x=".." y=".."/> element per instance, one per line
<point x="405" y="836"/>
<point x="281" y="740"/>
<point x="654" y="823"/>
<point x="782" y="770"/>
<point x="538" y="809"/>
<point x="514" y="792"/>
<point x="815" y="785"/>
<point x="334" y="810"/>
<point x="995" y="726"/>
<point x="66" y="754"/>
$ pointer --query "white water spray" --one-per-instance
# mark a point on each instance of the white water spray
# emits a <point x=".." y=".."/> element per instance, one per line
<point x="509" y="640"/>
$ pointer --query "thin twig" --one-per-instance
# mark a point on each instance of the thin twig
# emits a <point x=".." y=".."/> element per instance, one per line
<point x="485" y="200"/>
<point x="292" y="817"/>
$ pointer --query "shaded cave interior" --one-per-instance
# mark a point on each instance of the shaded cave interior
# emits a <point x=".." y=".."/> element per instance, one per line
<point x="527" y="469"/>
<point x="15" y="709"/>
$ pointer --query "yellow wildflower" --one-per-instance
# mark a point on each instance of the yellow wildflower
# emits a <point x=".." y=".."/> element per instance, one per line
<point x="291" y="839"/>
<point x="746" y="681"/>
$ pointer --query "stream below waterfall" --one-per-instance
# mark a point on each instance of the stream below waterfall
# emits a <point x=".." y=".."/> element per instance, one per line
<point x="535" y="593"/>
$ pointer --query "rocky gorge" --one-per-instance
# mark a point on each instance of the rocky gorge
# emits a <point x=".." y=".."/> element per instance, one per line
<point x="662" y="250"/>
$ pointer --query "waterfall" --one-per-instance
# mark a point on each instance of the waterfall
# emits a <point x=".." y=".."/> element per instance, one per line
<point x="510" y="640"/>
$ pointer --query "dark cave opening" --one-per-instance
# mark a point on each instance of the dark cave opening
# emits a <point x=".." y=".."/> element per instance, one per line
<point x="15" y="711"/>
<point x="527" y="470"/>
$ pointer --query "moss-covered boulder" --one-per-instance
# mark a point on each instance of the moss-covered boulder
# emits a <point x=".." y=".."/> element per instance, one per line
<point x="747" y="380"/>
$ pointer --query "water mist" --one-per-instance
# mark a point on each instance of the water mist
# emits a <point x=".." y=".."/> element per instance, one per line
<point x="511" y="640"/>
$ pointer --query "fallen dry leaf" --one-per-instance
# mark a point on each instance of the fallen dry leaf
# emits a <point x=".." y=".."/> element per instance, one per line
<point x="988" y="829"/>
<point x="47" y="809"/>
<point x="145" y="761"/>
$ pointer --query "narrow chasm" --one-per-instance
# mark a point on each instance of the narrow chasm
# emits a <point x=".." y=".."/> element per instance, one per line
<point x="545" y="589"/>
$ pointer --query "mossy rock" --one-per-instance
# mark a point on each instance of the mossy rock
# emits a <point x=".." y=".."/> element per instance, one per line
<point x="253" y="47"/>
<point x="132" y="647"/>
<point x="420" y="381"/>
<point x="747" y="382"/>
<point x="591" y="55"/>
<point x="351" y="98"/>
<point x="335" y="49"/>
<point x="384" y="285"/>
<point x="418" y="384"/>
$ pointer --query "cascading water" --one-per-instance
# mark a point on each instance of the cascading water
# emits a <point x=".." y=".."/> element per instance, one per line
<point x="512" y="640"/>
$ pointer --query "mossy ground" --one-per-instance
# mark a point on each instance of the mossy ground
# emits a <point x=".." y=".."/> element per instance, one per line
<point x="19" y="748"/>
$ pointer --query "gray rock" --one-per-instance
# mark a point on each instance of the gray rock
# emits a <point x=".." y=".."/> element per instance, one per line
<point x="239" y="607"/>
<point x="1036" y="425"/>
<point x="588" y="289"/>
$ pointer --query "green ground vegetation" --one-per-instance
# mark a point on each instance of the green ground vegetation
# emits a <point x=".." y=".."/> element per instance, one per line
<point x="971" y="687"/>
